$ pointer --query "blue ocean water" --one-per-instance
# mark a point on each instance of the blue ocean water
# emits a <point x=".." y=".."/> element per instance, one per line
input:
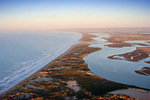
<point x="23" y="53"/>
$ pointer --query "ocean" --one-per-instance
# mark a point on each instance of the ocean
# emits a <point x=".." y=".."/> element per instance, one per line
<point x="24" y="53"/>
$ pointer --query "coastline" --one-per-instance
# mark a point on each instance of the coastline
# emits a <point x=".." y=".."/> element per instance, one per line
<point x="86" y="72"/>
<point x="62" y="51"/>
<point x="30" y="77"/>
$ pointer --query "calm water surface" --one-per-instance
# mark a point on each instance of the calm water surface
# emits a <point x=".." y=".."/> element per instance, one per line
<point x="116" y="70"/>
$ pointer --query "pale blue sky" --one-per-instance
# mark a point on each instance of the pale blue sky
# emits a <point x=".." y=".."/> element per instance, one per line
<point x="55" y="14"/>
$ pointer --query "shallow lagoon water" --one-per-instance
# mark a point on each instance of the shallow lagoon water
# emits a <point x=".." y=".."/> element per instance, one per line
<point x="22" y="54"/>
<point x="116" y="70"/>
<point x="139" y="42"/>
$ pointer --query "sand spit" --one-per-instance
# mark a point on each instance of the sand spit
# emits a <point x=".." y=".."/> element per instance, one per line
<point x="58" y="83"/>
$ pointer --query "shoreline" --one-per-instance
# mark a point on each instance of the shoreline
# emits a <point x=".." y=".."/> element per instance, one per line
<point x="83" y="72"/>
<point x="30" y="77"/>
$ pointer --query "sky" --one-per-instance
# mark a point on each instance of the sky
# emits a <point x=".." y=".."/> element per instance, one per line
<point x="62" y="14"/>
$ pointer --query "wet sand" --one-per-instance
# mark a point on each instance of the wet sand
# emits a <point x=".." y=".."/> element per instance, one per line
<point x="51" y="82"/>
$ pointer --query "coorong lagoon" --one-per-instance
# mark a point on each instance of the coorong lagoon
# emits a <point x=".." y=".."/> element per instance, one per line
<point x="121" y="71"/>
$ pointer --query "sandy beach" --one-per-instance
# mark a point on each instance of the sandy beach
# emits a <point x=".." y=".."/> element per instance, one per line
<point x="68" y="77"/>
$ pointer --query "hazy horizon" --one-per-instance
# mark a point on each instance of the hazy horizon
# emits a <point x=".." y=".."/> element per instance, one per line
<point x="64" y="14"/>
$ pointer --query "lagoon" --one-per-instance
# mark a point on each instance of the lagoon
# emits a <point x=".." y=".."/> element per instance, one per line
<point x="120" y="71"/>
